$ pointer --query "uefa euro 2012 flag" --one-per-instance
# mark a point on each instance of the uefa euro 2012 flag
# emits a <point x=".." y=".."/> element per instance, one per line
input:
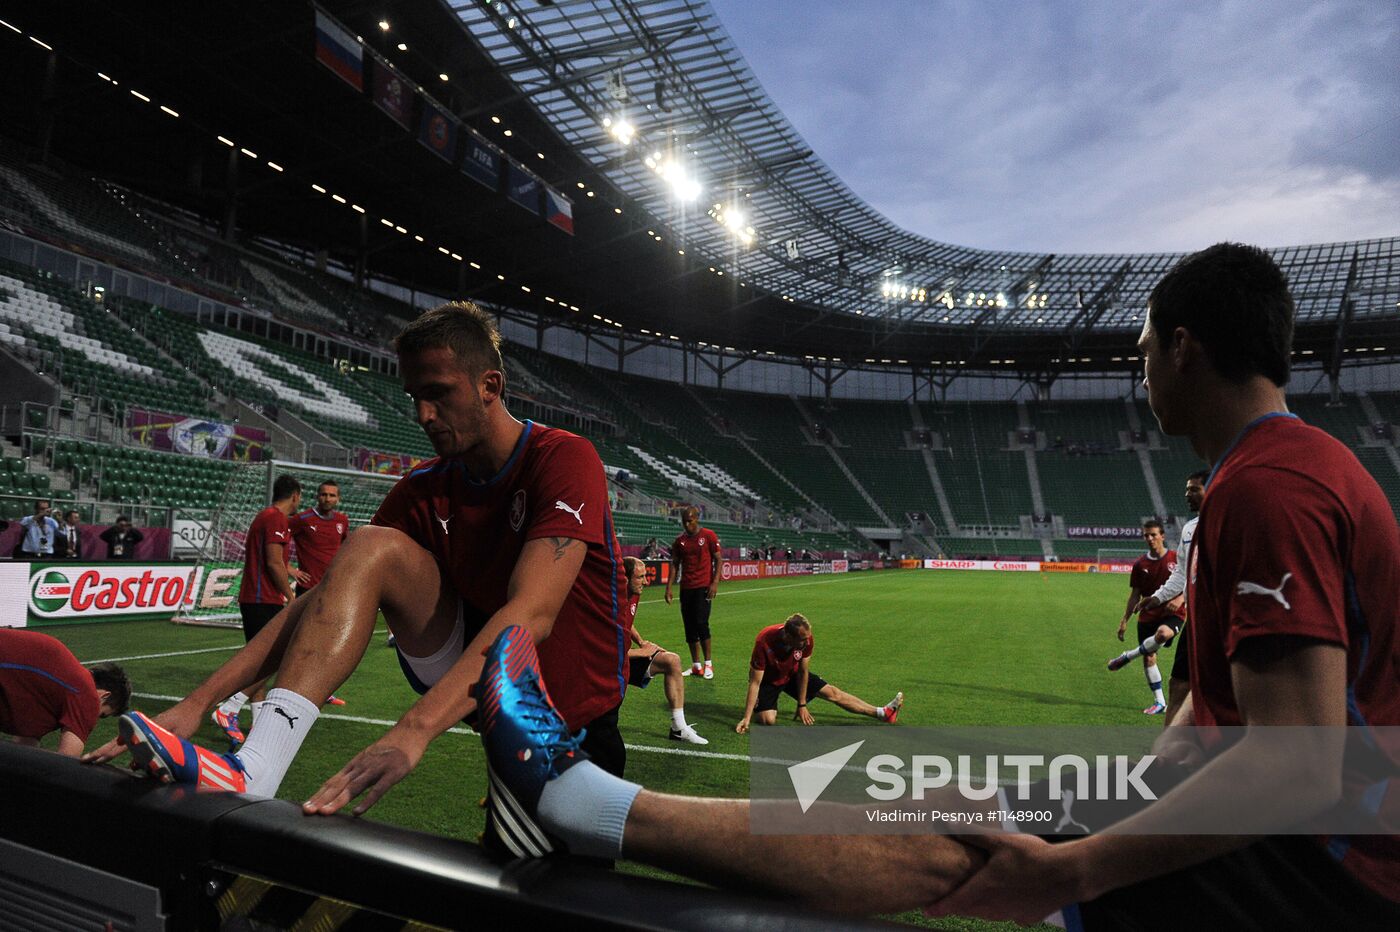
<point x="559" y="210"/>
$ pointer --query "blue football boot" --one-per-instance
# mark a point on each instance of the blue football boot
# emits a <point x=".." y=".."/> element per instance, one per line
<point x="527" y="743"/>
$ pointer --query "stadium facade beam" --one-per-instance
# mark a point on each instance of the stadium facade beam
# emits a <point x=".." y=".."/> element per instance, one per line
<point x="1345" y="308"/>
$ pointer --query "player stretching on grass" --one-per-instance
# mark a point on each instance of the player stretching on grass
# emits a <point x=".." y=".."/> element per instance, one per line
<point x="781" y="654"/>
<point x="508" y="526"/>
<point x="646" y="659"/>
<point x="1174" y="589"/>
<point x="1150" y="573"/>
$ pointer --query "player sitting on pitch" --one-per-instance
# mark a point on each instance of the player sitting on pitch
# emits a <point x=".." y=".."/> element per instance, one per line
<point x="781" y="654"/>
<point x="647" y="659"/>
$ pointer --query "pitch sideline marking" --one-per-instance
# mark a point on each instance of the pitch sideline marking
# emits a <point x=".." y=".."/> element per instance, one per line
<point x="210" y="650"/>
<point x="462" y="730"/>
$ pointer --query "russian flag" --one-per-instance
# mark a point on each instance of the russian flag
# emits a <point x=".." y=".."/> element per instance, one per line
<point x="559" y="210"/>
<point x="339" y="51"/>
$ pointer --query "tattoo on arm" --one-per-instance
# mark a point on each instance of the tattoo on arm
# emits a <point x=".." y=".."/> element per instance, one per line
<point x="561" y="544"/>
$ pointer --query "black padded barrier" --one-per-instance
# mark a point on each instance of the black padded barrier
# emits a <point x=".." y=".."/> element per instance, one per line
<point x="192" y="845"/>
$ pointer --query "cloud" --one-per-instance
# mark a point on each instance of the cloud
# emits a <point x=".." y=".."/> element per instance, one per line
<point x="1096" y="128"/>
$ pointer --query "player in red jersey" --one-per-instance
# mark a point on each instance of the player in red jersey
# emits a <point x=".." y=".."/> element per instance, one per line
<point x="44" y="688"/>
<point x="508" y="526"/>
<point x="695" y="561"/>
<point x="1292" y="587"/>
<point x="1150" y="573"/>
<point x="779" y="663"/>
<point x="645" y="659"/>
<point x="318" y="533"/>
<point x="265" y="588"/>
<point x="1217" y="347"/>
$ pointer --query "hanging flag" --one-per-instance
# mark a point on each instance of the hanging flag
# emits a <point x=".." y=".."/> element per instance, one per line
<point x="482" y="161"/>
<point x="437" y="130"/>
<point x="339" y="50"/>
<point x="559" y="210"/>
<point x="523" y="187"/>
<point x="392" y="92"/>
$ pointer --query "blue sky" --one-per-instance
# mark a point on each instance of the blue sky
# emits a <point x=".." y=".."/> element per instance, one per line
<point x="1095" y="127"/>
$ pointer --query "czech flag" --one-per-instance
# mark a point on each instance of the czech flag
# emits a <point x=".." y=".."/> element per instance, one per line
<point x="559" y="210"/>
<point x="339" y="51"/>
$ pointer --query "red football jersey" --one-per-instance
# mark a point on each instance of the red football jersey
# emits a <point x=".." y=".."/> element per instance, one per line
<point x="270" y="526"/>
<point x="553" y="485"/>
<point x="317" y="539"/>
<point x="772" y="656"/>
<point x="1296" y="538"/>
<point x="1149" y="573"/>
<point x="43" y="687"/>
<point x="698" y="556"/>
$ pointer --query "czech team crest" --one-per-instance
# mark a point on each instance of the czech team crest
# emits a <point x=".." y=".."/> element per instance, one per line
<point x="517" y="510"/>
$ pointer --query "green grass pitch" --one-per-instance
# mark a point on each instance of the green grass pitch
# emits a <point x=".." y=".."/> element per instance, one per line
<point x="967" y="648"/>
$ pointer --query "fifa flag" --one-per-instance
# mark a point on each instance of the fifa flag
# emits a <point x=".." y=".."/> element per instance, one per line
<point x="482" y="161"/>
<point x="437" y="130"/>
<point x="392" y="92"/>
<point x="340" y="51"/>
<point x="559" y="210"/>
<point x="523" y="188"/>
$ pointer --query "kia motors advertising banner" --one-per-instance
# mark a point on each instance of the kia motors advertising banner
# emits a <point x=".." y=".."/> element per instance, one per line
<point x="38" y="594"/>
<point x="771" y="569"/>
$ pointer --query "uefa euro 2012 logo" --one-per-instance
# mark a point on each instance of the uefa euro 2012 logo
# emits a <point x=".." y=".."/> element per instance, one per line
<point x="51" y="591"/>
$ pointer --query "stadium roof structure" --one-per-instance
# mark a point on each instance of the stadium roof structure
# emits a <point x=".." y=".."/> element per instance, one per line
<point x="822" y="275"/>
<point x="669" y="69"/>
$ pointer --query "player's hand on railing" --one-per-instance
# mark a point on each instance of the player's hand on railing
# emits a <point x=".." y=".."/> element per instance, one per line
<point x="743" y="726"/>
<point x="372" y="772"/>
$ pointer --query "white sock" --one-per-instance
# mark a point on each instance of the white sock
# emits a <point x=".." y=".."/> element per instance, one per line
<point x="1149" y="646"/>
<point x="882" y="713"/>
<point x="708" y="664"/>
<point x="678" y="719"/>
<point x="587" y="808"/>
<point x="279" y="726"/>
<point x="233" y="704"/>
<point x="255" y="706"/>
<point x="1154" y="683"/>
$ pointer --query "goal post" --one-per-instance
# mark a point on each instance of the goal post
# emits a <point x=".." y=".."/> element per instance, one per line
<point x="1119" y="554"/>
<point x="247" y="492"/>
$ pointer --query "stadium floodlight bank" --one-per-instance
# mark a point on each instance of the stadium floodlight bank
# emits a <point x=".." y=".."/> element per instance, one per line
<point x="249" y="491"/>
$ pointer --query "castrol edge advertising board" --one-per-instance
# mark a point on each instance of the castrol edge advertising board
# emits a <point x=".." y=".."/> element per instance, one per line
<point x="103" y="590"/>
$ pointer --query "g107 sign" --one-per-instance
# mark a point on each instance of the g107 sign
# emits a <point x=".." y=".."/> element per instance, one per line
<point x="101" y="591"/>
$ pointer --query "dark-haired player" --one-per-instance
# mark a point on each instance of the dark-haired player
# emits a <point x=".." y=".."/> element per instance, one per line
<point x="1292" y="588"/>
<point x="1172" y="591"/>
<point x="695" y="562"/>
<point x="318" y="532"/>
<point x="509" y="525"/>
<point x="44" y="688"/>
<point x="782" y="655"/>
<point x="1150" y="573"/>
<point x="645" y="659"/>
<point x="265" y="588"/>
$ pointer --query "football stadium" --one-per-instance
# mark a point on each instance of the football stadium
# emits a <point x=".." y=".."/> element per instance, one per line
<point x="226" y="231"/>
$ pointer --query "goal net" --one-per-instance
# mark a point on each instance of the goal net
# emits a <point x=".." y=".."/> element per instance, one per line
<point x="249" y="491"/>
<point x="1120" y="554"/>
